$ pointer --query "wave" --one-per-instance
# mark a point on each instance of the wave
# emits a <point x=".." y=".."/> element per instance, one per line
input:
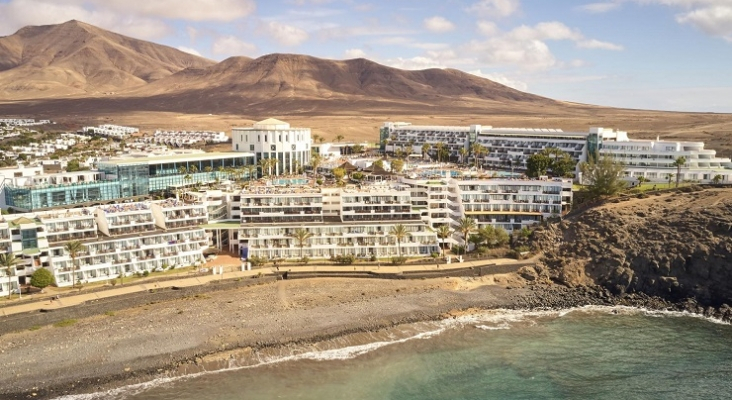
<point x="487" y="320"/>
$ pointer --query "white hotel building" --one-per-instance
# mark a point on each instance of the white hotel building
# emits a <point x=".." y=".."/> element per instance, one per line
<point x="275" y="139"/>
<point x="509" y="148"/>
<point x="261" y="221"/>
<point x="118" y="240"/>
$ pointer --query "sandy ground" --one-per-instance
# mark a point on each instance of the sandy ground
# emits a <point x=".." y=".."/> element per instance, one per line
<point x="124" y="344"/>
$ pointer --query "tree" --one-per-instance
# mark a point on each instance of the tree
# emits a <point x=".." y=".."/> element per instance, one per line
<point x="604" y="176"/>
<point x="466" y="226"/>
<point x="251" y="170"/>
<point x="463" y="154"/>
<point x="301" y="236"/>
<point x="670" y="178"/>
<point x="315" y="161"/>
<point x="74" y="247"/>
<point x="182" y="170"/>
<point x="357" y="149"/>
<point x="263" y="164"/>
<point x="339" y="138"/>
<point x="315" y="137"/>
<point x="441" y="149"/>
<point x="494" y="237"/>
<point x="478" y="150"/>
<point x="444" y="232"/>
<point x="9" y="261"/>
<point x="399" y="232"/>
<point x="678" y="163"/>
<point x="339" y="173"/>
<point x="397" y="165"/>
<point x="42" y="278"/>
<point x="537" y="164"/>
<point x="379" y="163"/>
<point x="425" y="149"/>
<point x="563" y="165"/>
<point x="717" y="178"/>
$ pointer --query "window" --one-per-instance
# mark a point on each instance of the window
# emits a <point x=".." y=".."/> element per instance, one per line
<point x="237" y="147"/>
<point x="259" y="138"/>
<point x="251" y="147"/>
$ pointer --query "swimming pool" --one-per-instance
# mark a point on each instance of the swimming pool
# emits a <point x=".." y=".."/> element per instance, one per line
<point x="291" y="181"/>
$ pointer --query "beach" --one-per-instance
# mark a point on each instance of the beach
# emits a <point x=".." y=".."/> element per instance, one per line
<point x="181" y="336"/>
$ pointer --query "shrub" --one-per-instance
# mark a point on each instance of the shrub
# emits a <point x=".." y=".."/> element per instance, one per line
<point x="42" y="278"/>
<point x="146" y="273"/>
<point x="305" y="260"/>
<point x="257" y="261"/>
<point x="347" y="259"/>
<point x="319" y="181"/>
<point x="459" y="250"/>
<point x="373" y="257"/>
<point x="64" y="323"/>
<point x="398" y="260"/>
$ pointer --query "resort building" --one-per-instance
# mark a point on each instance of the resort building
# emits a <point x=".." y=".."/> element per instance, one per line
<point x="509" y="148"/>
<point x="185" y="138"/>
<point x="342" y="221"/>
<point x="121" y="239"/>
<point x="122" y="179"/>
<point x="274" y="139"/>
<point x="111" y="131"/>
<point x="511" y="204"/>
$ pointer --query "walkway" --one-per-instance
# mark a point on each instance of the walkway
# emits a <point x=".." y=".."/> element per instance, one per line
<point x="69" y="299"/>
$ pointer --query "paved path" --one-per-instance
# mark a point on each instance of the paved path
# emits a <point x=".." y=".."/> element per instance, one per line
<point x="69" y="299"/>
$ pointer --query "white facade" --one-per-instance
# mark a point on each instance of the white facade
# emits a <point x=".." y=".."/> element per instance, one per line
<point x="654" y="159"/>
<point x="509" y="148"/>
<point x="274" y="139"/>
<point x="113" y="131"/>
<point x="118" y="240"/>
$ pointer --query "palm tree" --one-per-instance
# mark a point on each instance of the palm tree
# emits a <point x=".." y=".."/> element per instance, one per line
<point x="193" y="169"/>
<point x="444" y="232"/>
<point x="678" y="163"/>
<point x="412" y="142"/>
<point x="670" y="178"/>
<point x="477" y="150"/>
<point x="339" y="138"/>
<point x="251" y="170"/>
<point x="272" y="163"/>
<point x="440" y="149"/>
<point x="717" y="178"/>
<point x="315" y="161"/>
<point x="263" y="164"/>
<point x="182" y="170"/>
<point x="9" y="261"/>
<point x="399" y="232"/>
<point x="301" y="236"/>
<point x="463" y="154"/>
<point x="315" y="137"/>
<point x="466" y="226"/>
<point x="74" y="247"/>
<point x="425" y="149"/>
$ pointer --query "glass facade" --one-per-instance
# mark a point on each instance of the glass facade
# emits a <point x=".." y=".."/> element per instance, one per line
<point x="124" y="180"/>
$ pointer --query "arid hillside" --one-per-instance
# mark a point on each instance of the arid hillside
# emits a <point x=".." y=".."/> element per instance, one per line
<point x="74" y="58"/>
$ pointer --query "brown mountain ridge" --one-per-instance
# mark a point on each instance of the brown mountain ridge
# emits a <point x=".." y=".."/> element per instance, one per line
<point x="76" y="59"/>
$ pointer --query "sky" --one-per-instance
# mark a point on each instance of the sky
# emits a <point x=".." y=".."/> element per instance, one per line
<point x="650" y="54"/>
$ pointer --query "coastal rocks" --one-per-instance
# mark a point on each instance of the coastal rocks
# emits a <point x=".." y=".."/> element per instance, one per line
<point x="674" y="246"/>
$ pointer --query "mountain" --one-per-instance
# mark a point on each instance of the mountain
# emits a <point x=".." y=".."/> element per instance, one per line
<point x="78" y="59"/>
<point x="79" y="62"/>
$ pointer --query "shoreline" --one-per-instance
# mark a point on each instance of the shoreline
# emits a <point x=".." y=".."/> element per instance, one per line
<point x="290" y="314"/>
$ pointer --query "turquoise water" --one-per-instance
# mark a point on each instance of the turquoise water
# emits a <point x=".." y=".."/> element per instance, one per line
<point x="599" y="354"/>
<point x="293" y="181"/>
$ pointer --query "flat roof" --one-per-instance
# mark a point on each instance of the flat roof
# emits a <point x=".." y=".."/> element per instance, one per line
<point x="177" y="157"/>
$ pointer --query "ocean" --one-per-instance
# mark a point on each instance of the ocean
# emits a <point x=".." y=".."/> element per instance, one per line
<point x="586" y="353"/>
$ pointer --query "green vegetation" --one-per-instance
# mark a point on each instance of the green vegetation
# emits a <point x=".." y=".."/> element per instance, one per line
<point x="64" y="323"/>
<point x="604" y="177"/>
<point x="397" y="165"/>
<point x="74" y="247"/>
<point x="467" y="226"/>
<point x="559" y="162"/>
<point x="400" y="232"/>
<point x="42" y="278"/>
<point x="678" y="163"/>
<point x="347" y="259"/>
<point x="301" y="237"/>
<point x="9" y="261"/>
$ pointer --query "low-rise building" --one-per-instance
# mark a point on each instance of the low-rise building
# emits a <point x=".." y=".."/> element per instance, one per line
<point x="121" y="239"/>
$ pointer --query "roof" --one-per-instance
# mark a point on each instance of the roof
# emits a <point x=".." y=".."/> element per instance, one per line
<point x="23" y="221"/>
<point x="271" y="121"/>
<point x="176" y="157"/>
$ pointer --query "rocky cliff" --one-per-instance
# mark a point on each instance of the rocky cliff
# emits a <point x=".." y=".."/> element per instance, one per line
<point x="676" y="245"/>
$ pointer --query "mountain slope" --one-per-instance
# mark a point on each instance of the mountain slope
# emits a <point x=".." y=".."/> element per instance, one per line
<point x="288" y="76"/>
<point x="75" y="58"/>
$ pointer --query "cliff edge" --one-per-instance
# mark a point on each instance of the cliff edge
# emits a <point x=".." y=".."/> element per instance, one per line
<point x="677" y="246"/>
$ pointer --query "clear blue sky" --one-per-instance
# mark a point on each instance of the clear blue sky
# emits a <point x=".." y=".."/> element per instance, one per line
<point x="653" y="54"/>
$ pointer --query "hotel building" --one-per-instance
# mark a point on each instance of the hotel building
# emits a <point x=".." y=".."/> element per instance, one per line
<point x="120" y="239"/>
<point x="509" y="148"/>
<point x="274" y="139"/>
<point x="118" y="180"/>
